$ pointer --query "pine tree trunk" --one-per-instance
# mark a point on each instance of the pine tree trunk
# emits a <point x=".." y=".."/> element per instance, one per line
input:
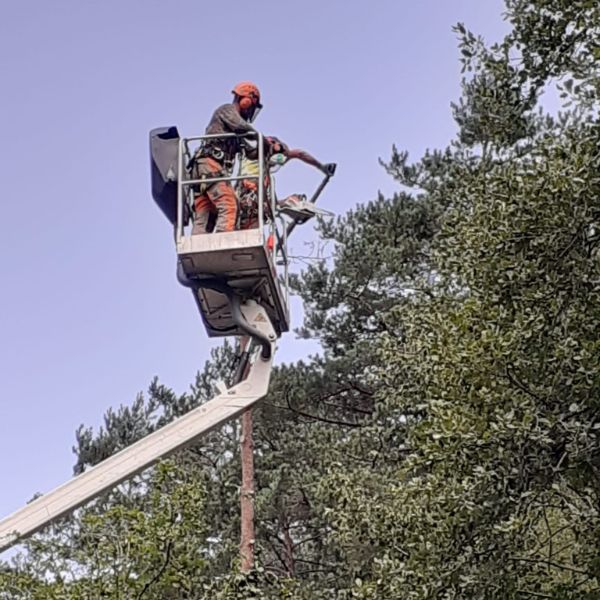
<point x="247" y="490"/>
<point x="289" y="550"/>
<point x="247" y="495"/>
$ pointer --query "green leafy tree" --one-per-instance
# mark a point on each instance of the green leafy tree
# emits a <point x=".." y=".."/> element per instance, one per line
<point x="155" y="549"/>
<point x="494" y="371"/>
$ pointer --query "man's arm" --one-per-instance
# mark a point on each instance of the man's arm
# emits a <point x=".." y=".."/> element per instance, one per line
<point x="232" y="119"/>
<point x="307" y="158"/>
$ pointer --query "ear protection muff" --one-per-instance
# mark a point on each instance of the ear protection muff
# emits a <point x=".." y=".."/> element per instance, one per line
<point x="246" y="103"/>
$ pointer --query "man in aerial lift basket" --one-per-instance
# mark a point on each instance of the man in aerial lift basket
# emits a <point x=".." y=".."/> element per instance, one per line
<point x="215" y="158"/>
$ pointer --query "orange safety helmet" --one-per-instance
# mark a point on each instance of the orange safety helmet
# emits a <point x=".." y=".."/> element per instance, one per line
<point x="248" y="94"/>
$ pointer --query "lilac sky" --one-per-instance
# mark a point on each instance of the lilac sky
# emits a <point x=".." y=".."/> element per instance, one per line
<point x="90" y="308"/>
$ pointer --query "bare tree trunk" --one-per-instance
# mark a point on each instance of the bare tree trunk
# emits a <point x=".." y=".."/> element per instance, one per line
<point x="247" y="496"/>
<point x="247" y="490"/>
<point x="289" y="550"/>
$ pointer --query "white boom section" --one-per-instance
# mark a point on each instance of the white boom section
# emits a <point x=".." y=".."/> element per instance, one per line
<point x="130" y="461"/>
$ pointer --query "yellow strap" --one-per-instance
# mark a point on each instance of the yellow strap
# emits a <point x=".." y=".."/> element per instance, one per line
<point x="249" y="167"/>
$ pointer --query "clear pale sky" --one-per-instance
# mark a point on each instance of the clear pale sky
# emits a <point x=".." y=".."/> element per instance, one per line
<point x="90" y="310"/>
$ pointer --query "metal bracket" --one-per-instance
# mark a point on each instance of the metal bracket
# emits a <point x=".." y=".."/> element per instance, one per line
<point x="260" y="330"/>
<point x="257" y="318"/>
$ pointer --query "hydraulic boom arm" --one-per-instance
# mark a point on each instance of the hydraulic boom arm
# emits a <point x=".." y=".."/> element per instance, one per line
<point x="170" y="438"/>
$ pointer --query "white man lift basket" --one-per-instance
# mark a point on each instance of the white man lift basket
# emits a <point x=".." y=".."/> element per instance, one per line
<point x="219" y="267"/>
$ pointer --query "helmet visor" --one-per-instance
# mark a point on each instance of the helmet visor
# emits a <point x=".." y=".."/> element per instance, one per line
<point x="253" y="113"/>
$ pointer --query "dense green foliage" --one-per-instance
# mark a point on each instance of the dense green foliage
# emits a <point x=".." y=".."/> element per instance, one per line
<point x="446" y="445"/>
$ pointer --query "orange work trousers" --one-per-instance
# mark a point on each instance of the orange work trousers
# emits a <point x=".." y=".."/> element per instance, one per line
<point x="216" y="203"/>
